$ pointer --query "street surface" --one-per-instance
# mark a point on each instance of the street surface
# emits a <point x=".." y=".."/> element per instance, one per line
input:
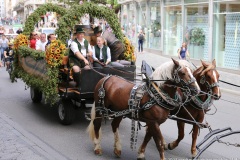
<point x="72" y="142"/>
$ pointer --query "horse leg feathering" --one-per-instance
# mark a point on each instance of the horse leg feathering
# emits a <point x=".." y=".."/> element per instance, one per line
<point x="141" y="150"/>
<point x="117" y="144"/>
<point x="95" y="133"/>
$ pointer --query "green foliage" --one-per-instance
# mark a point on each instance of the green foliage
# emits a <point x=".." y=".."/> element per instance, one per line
<point x="36" y="15"/>
<point x="197" y="36"/>
<point x="47" y="85"/>
<point x="72" y="17"/>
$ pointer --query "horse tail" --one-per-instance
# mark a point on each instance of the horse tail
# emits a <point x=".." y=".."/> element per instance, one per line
<point x="90" y="128"/>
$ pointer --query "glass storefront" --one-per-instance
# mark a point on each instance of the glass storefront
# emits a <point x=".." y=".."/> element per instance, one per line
<point x="196" y="30"/>
<point x="211" y="29"/>
<point x="226" y="34"/>
<point x="155" y="28"/>
<point x="142" y="22"/>
<point x="172" y="33"/>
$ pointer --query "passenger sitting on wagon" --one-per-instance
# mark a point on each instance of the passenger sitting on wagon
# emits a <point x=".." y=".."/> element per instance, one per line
<point x="102" y="55"/>
<point x="79" y="50"/>
<point x="51" y="37"/>
<point x="9" y="55"/>
<point x="116" y="46"/>
<point x="41" y="44"/>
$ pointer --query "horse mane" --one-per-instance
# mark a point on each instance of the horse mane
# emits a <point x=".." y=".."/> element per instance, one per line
<point x="202" y="71"/>
<point x="165" y="71"/>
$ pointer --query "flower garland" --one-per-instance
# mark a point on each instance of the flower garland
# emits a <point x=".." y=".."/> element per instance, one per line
<point x="129" y="52"/>
<point x="54" y="53"/>
<point x="20" y="40"/>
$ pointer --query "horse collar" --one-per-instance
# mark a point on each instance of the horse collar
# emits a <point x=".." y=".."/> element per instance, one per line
<point x="198" y="104"/>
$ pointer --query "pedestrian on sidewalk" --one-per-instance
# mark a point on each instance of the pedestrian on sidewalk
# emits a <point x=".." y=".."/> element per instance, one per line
<point x="183" y="51"/>
<point x="141" y="37"/>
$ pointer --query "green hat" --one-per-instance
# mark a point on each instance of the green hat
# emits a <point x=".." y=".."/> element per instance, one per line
<point x="97" y="29"/>
<point x="79" y="30"/>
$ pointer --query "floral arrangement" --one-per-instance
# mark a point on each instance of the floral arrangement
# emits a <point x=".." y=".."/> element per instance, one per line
<point x="54" y="53"/>
<point x="129" y="52"/>
<point x="20" y="40"/>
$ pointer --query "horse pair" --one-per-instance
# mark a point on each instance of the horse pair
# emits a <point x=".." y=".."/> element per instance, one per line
<point x="107" y="93"/>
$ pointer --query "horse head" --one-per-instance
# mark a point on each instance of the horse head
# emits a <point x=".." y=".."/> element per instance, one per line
<point x="183" y="77"/>
<point x="208" y="79"/>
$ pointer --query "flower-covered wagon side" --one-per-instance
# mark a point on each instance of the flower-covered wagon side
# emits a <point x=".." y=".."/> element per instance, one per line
<point x="40" y="70"/>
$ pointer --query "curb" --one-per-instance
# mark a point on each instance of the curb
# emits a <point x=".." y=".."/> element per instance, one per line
<point x="38" y="145"/>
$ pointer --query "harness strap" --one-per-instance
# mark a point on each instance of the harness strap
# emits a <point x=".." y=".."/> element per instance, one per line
<point x="101" y="92"/>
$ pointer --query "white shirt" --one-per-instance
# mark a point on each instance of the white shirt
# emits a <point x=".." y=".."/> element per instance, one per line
<point x="41" y="45"/>
<point x="101" y="57"/>
<point x="74" y="47"/>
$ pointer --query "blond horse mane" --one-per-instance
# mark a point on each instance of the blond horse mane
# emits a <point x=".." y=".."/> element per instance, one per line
<point x="203" y="71"/>
<point x="165" y="71"/>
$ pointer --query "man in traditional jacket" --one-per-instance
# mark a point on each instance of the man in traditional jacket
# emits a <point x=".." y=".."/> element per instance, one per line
<point x="79" y="50"/>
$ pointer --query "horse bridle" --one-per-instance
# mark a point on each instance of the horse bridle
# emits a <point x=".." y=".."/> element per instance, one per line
<point x="177" y="79"/>
<point x="210" y="86"/>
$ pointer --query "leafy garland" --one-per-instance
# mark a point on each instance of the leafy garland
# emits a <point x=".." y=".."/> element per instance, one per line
<point x="36" y="15"/>
<point x="49" y="84"/>
<point x="73" y="15"/>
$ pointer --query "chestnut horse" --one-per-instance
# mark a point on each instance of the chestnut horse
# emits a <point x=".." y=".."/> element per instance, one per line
<point x="112" y="95"/>
<point x="207" y="78"/>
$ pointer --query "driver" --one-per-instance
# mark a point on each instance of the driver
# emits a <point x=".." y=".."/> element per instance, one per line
<point x="9" y="54"/>
<point x="79" y="50"/>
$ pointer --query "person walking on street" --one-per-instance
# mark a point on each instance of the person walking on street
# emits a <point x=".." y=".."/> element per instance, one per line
<point x="183" y="51"/>
<point x="141" y="38"/>
<point x="4" y="44"/>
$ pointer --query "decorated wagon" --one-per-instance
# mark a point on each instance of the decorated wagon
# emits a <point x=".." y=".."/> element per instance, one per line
<point x="48" y="74"/>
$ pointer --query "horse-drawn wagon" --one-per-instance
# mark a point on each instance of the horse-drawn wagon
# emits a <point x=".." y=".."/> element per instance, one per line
<point x="49" y="74"/>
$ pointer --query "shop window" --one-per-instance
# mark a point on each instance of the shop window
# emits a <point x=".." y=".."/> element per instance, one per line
<point x="196" y="30"/>
<point x="226" y="34"/>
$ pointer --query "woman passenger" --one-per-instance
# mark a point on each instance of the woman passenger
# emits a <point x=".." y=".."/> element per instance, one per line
<point x="33" y="40"/>
<point x="101" y="53"/>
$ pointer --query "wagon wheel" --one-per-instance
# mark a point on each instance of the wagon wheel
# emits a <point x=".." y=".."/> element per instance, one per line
<point x="36" y="95"/>
<point x="66" y="112"/>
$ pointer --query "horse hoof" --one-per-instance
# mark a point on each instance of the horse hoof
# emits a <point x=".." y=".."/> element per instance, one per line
<point x="194" y="155"/>
<point x="117" y="153"/>
<point x="98" y="152"/>
<point x="165" y="147"/>
<point x="169" y="146"/>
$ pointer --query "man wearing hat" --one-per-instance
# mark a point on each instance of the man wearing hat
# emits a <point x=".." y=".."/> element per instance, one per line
<point x="79" y="50"/>
<point x="9" y="54"/>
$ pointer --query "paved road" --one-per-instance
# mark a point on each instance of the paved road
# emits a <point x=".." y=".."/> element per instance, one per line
<point x="40" y="122"/>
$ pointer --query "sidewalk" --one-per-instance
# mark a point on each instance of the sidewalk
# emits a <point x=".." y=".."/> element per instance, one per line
<point x="18" y="144"/>
<point x="156" y="60"/>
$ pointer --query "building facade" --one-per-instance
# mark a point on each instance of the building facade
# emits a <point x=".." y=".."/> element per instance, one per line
<point x="211" y="28"/>
<point x="2" y="8"/>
